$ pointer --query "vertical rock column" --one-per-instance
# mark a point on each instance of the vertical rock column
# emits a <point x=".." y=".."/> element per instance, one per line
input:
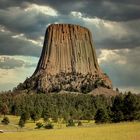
<point x="68" y="48"/>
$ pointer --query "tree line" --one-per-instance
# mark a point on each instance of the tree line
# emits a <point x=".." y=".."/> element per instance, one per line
<point x="102" y="109"/>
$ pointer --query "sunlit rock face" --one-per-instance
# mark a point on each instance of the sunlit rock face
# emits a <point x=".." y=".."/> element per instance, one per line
<point x="68" y="62"/>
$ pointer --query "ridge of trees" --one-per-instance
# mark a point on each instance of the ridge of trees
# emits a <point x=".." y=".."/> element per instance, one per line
<point x="123" y="107"/>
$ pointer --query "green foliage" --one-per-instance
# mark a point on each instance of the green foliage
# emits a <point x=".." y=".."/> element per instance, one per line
<point x="101" y="116"/>
<point x="39" y="125"/>
<point x="4" y="109"/>
<point x="5" y="121"/>
<point x="75" y="106"/>
<point x="131" y="107"/>
<point x="21" y="123"/>
<point x="46" y="115"/>
<point x="35" y="115"/>
<point x="118" y="116"/>
<point x="25" y="116"/>
<point x="49" y="126"/>
<point x="70" y="123"/>
<point x="79" y="123"/>
<point x="117" y="109"/>
<point x="126" y="108"/>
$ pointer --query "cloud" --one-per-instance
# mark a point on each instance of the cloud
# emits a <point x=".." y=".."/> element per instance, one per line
<point x="13" y="62"/>
<point x="29" y="21"/>
<point x="130" y="42"/>
<point x="32" y="20"/>
<point x="7" y="63"/>
<point x="111" y="34"/>
<point x="122" y="66"/>
<point x="46" y="10"/>
<point x="11" y="45"/>
<point x="15" y="69"/>
<point x="10" y="78"/>
<point x="106" y="9"/>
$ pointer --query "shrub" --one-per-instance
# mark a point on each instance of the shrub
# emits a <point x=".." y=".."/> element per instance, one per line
<point x="39" y="125"/>
<point x="49" y="126"/>
<point x="5" y="121"/>
<point x="70" y="123"/>
<point x="79" y="123"/>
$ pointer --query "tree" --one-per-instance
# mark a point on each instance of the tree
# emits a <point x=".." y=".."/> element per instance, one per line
<point x="21" y="123"/>
<point x="4" y="109"/>
<point x="131" y="107"/>
<point x="35" y="116"/>
<point x="101" y="116"/>
<point x="117" y="109"/>
<point x="46" y="115"/>
<point x="0" y="106"/>
<point x="25" y="116"/>
<point x="117" y="116"/>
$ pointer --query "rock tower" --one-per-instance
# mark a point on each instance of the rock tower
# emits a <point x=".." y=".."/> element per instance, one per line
<point x="68" y="62"/>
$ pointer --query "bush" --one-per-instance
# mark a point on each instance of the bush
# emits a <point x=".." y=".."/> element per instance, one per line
<point x="49" y="126"/>
<point x="5" y="121"/>
<point x="39" y="125"/>
<point x="79" y="123"/>
<point x="70" y="123"/>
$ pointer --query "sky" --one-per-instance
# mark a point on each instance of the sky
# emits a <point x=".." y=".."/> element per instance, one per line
<point x="115" y="26"/>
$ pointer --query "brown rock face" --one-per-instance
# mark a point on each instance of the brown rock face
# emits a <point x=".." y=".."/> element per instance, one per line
<point x="68" y="62"/>
<point x="68" y="48"/>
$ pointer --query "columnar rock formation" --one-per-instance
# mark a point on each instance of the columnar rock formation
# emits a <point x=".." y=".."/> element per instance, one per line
<point x="68" y="62"/>
<point x="68" y="48"/>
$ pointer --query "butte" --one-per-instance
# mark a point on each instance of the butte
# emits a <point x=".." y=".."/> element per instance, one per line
<point x="68" y="62"/>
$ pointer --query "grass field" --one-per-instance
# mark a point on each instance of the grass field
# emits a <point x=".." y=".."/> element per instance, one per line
<point x="120" y="131"/>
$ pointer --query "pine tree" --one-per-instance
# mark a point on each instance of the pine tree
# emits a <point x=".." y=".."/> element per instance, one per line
<point x="101" y="116"/>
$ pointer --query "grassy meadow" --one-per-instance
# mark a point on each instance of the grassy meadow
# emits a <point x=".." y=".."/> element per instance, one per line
<point x="89" y="131"/>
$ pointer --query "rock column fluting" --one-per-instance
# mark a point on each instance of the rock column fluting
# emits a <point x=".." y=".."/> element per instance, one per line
<point x="68" y="48"/>
<point x="68" y="62"/>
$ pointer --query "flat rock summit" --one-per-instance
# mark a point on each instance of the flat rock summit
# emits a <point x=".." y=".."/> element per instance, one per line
<point x="68" y="62"/>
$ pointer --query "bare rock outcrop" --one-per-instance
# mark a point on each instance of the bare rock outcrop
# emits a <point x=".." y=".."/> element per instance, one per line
<point x="68" y="62"/>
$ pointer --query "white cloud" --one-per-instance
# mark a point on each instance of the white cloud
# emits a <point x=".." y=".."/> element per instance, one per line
<point x="23" y="37"/>
<point x="76" y="14"/>
<point x="46" y="10"/>
<point x="13" y="62"/>
<point x="3" y="29"/>
<point x="113" y="56"/>
<point x="133" y="89"/>
<point x="100" y="27"/>
<point x="123" y="67"/>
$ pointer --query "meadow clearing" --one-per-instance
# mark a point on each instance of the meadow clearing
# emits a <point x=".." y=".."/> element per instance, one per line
<point x="89" y="131"/>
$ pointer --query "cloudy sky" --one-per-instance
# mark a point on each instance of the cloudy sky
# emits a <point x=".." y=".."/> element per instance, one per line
<point x="115" y="25"/>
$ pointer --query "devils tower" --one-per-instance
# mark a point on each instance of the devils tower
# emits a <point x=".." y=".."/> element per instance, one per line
<point x="68" y="62"/>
